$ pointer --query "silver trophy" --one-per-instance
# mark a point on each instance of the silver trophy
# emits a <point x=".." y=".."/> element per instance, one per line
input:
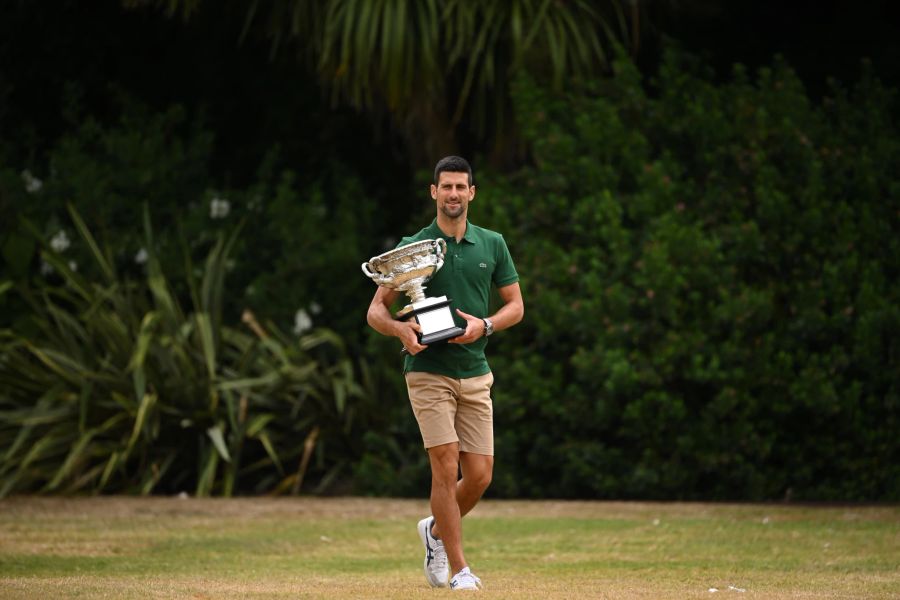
<point x="407" y="269"/>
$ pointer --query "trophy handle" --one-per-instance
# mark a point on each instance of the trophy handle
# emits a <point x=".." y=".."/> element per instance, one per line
<point x="440" y="248"/>
<point x="367" y="269"/>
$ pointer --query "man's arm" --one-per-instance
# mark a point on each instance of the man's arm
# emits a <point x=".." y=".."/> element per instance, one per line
<point x="510" y="313"/>
<point x="380" y="319"/>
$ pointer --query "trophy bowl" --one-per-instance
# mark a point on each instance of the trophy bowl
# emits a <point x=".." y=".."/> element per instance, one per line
<point x="407" y="269"/>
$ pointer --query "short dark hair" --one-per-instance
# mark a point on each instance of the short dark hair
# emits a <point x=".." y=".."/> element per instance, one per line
<point x="452" y="164"/>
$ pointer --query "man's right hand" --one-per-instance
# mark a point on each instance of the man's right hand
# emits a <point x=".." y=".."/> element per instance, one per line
<point x="380" y="319"/>
<point x="406" y="332"/>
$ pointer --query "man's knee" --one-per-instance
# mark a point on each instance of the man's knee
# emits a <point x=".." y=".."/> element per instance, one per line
<point x="444" y="462"/>
<point x="482" y="478"/>
<point x="478" y="471"/>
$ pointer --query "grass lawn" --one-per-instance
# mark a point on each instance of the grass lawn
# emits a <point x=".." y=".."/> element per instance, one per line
<point x="368" y="548"/>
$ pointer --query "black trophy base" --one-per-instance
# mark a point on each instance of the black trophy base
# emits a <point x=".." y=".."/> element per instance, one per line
<point x="441" y="336"/>
<point x="424" y="315"/>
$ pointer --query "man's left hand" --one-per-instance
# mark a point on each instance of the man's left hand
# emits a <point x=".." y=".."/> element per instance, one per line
<point x="474" y="329"/>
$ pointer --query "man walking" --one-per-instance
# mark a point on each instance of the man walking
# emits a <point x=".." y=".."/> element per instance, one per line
<point x="449" y="384"/>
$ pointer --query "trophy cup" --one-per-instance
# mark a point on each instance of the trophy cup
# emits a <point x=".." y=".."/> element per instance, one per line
<point x="407" y="269"/>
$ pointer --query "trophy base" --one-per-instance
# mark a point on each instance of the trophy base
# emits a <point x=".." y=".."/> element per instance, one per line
<point x="434" y="317"/>
<point x="440" y="336"/>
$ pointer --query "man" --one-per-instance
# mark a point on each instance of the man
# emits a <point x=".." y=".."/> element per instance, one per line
<point x="449" y="384"/>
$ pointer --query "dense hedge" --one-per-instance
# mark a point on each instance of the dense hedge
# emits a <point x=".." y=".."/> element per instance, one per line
<point x="711" y="282"/>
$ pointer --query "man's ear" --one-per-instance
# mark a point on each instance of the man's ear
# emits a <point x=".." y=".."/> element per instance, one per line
<point x="433" y="192"/>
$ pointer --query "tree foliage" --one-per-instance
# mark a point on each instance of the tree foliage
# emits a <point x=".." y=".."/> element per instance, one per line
<point x="435" y="66"/>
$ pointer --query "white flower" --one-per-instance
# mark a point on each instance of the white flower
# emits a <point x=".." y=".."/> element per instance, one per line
<point x="60" y="241"/>
<point x="314" y="308"/>
<point x="302" y="321"/>
<point x="32" y="183"/>
<point x="46" y="268"/>
<point x="219" y="208"/>
<point x="73" y="265"/>
<point x="141" y="256"/>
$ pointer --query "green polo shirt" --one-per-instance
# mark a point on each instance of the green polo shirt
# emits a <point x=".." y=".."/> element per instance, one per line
<point x="478" y="260"/>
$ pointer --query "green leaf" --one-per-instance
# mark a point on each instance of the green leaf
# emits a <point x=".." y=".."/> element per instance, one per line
<point x="207" y="476"/>
<point x="101" y="259"/>
<point x="216" y="435"/>
<point x="258" y="423"/>
<point x="65" y="470"/>
<point x="204" y="327"/>
<point x="144" y="407"/>
<point x="340" y="394"/>
<point x="265" y="381"/>
<point x="266" y="441"/>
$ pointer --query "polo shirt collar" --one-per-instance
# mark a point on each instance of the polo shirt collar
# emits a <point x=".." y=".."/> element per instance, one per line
<point x="435" y="231"/>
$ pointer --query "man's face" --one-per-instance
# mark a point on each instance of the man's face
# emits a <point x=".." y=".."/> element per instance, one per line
<point x="453" y="194"/>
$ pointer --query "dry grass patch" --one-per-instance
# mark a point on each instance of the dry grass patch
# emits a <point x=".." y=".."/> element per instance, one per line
<point x="367" y="548"/>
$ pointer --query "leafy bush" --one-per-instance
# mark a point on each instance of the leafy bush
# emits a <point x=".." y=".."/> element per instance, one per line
<point x="114" y="387"/>
<point x="296" y="261"/>
<point x="300" y="228"/>
<point x="711" y="284"/>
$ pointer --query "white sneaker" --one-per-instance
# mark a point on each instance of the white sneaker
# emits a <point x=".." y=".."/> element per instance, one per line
<point x="465" y="580"/>
<point x="436" y="570"/>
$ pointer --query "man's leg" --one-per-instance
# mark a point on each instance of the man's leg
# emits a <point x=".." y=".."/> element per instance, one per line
<point x="444" y="504"/>
<point x="474" y="424"/>
<point x="476" y="477"/>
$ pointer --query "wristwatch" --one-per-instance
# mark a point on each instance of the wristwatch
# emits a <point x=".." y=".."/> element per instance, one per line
<point x="488" y="327"/>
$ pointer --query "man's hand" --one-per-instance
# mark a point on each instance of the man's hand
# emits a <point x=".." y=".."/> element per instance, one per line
<point x="474" y="329"/>
<point x="406" y="332"/>
<point x="380" y="319"/>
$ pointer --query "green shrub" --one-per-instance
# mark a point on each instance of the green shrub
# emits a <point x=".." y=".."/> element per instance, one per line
<point x="711" y="282"/>
<point x="300" y="228"/>
<point x="296" y="262"/>
<point x="114" y="387"/>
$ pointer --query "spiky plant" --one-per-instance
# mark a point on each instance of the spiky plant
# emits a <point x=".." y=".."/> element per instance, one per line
<point x="114" y="387"/>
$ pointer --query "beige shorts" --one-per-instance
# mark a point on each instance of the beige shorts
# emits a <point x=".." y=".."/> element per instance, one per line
<point x="453" y="410"/>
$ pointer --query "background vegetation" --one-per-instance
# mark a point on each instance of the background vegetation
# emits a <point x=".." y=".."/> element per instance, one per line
<point x="709" y="255"/>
